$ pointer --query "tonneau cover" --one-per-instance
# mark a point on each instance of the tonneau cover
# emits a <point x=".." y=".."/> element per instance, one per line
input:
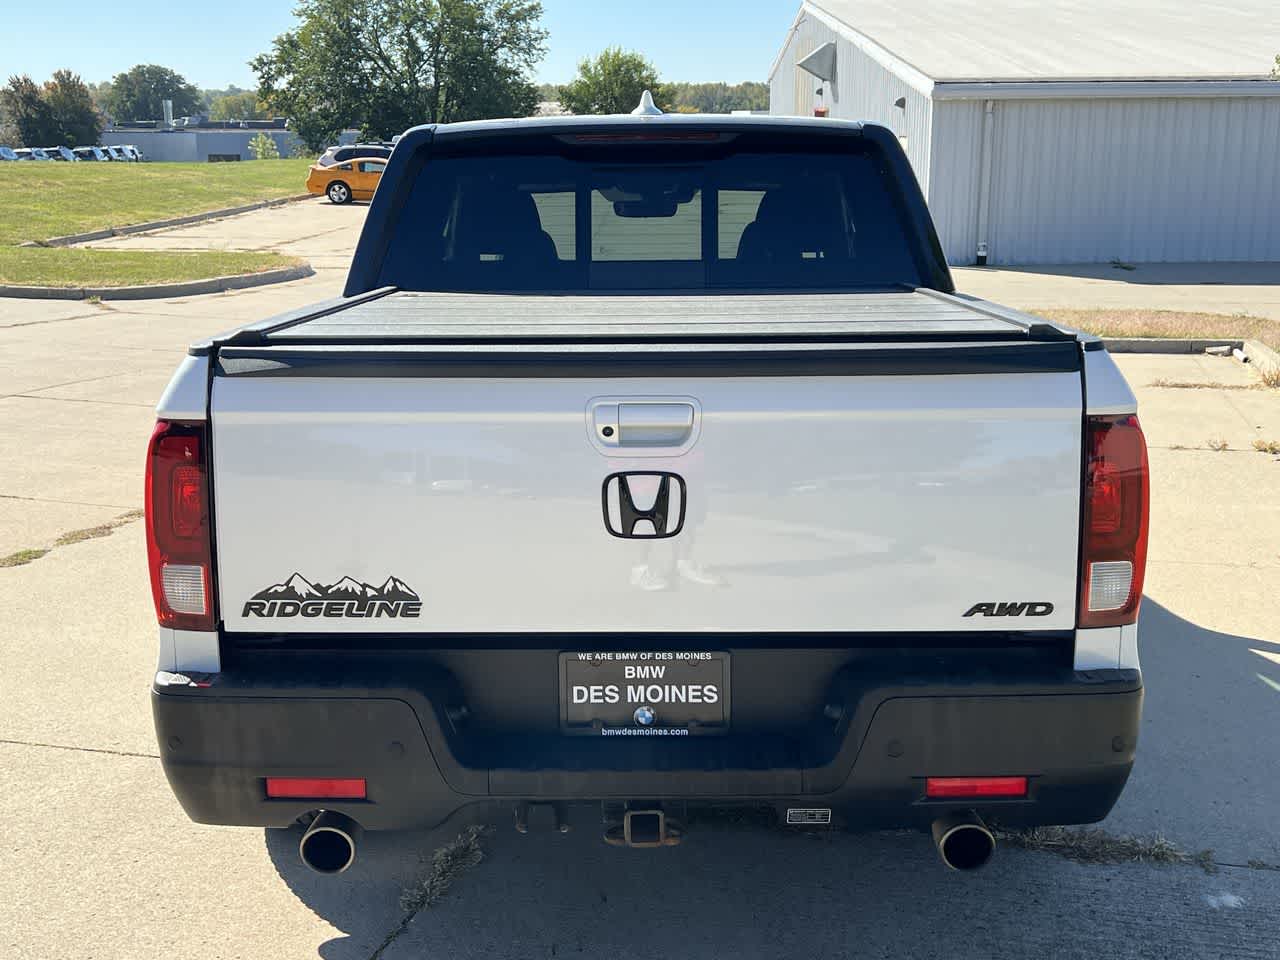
<point x="408" y="317"/>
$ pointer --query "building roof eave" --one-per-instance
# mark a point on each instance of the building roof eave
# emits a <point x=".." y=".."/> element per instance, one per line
<point x="1102" y="88"/>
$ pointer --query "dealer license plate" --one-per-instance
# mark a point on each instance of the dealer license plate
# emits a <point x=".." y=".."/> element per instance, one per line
<point x="645" y="693"/>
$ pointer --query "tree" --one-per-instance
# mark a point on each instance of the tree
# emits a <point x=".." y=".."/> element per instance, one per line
<point x="263" y="147"/>
<point x="237" y="106"/>
<point x="139" y="93"/>
<point x="76" y="119"/>
<point x="613" y="83"/>
<point x="8" y="129"/>
<point x="100" y="92"/>
<point x="209" y="96"/>
<point x="387" y="65"/>
<point x="28" y="112"/>
<point x="720" y="97"/>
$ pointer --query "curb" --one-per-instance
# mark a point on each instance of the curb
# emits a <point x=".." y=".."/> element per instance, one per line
<point x="1262" y="355"/>
<point x="1160" y="345"/>
<point x="156" y="291"/>
<point x="163" y="224"/>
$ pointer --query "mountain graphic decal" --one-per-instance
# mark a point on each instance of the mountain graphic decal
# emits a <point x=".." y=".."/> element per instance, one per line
<point x="295" y="588"/>
<point x="348" y="597"/>
<point x="346" y="587"/>
<point x="395" y="589"/>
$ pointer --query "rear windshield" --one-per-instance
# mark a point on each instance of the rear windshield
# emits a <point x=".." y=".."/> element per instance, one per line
<point x="648" y="218"/>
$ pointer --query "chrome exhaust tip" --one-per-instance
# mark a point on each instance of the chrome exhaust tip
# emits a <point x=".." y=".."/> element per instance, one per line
<point x="963" y="841"/>
<point x="329" y="845"/>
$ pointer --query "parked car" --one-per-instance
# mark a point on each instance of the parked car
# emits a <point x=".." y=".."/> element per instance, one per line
<point x="115" y="153"/>
<point x="64" y="154"/>
<point x="94" y="154"/>
<point x="7" y="153"/>
<point x="342" y="154"/>
<point x="343" y="182"/>
<point x="756" y="509"/>
<point x="32" y="153"/>
<point x="133" y="153"/>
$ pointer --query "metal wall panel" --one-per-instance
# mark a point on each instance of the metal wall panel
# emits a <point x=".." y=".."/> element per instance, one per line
<point x="863" y="90"/>
<point x="195" y="145"/>
<point x="782" y="85"/>
<point x="1141" y="180"/>
<point x="955" y="165"/>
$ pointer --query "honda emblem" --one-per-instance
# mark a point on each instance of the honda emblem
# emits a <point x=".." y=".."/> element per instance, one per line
<point x="664" y="517"/>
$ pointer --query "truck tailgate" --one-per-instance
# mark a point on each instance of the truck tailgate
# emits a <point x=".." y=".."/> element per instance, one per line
<point x="877" y="488"/>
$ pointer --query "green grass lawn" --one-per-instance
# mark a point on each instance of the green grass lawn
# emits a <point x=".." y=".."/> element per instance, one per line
<point x="43" y="200"/>
<point x="84" y="267"/>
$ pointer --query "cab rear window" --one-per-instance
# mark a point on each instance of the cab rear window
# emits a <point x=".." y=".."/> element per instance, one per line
<point x="621" y="217"/>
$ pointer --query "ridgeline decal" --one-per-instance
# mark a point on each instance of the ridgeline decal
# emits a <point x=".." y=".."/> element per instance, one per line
<point x="298" y="597"/>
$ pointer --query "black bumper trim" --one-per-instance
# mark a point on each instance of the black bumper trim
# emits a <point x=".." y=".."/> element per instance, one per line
<point x="1073" y="734"/>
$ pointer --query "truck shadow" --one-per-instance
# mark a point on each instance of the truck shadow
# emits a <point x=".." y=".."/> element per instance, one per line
<point x="737" y="889"/>
<point x="1207" y="769"/>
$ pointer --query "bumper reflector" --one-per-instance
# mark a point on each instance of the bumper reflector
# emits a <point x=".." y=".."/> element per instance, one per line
<point x="947" y="788"/>
<point x="316" y="788"/>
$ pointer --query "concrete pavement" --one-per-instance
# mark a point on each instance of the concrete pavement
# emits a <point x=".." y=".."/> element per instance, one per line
<point x="100" y="861"/>
<point x="1230" y="288"/>
<point x="79" y="381"/>
<point x="318" y="231"/>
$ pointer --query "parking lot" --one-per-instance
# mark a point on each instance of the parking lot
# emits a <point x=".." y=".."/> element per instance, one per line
<point x="99" y="860"/>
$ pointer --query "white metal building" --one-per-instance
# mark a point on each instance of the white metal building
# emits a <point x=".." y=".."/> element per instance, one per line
<point x="199" y="144"/>
<point x="1067" y="131"/>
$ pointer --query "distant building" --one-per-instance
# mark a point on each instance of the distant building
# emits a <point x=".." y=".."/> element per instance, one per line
<point x="198" y="140"/>
<point x="1065" y="131"/>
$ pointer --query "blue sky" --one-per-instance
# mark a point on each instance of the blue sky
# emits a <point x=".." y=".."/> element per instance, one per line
<point x="210" y="42"/>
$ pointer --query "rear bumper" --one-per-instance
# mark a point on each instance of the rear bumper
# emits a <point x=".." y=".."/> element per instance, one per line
<point x="866" y="756"/>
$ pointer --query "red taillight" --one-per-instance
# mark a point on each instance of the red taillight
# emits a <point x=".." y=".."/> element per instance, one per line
<point x="179" y="550"/>
<point x="947" y="788"/>
<point x="316" y="788"/>
<point x="1113" y="552"/>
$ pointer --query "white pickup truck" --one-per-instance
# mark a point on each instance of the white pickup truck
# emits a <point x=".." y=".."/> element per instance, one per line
<point x="648" y="462"/>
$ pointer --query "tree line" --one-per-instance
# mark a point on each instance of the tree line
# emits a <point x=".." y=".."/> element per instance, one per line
<point x="67" y="111"/>
<point x="680" y="97"/>
<point x="381" y="66"/>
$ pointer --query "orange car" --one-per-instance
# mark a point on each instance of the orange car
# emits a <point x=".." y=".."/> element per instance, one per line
<point x="343" y="182"/>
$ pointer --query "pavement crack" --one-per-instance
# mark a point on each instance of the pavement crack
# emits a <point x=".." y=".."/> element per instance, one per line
<point x="31" y="554"/>
<point x="69" y="383"/>
<point x="69" y="503"/>
<point x="64" y="746"/>
<point x="447" y="864"/>
<point x="37" y="323"/>
<point x="110" y="403"/>
<point x="1093" y="845"/>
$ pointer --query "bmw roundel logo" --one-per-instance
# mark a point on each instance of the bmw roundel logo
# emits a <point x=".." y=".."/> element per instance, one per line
<point x="645" y="716"/>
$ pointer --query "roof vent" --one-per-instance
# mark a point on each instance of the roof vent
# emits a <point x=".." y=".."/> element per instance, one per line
<point x="647" y="107"/>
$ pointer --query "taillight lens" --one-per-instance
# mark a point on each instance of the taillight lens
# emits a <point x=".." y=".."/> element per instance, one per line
<point x="1113" y="555"/>
<point x="179" y="548"/>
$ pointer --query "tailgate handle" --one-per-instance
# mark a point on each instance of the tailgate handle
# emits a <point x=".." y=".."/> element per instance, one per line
<point x="643" y="423"/>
